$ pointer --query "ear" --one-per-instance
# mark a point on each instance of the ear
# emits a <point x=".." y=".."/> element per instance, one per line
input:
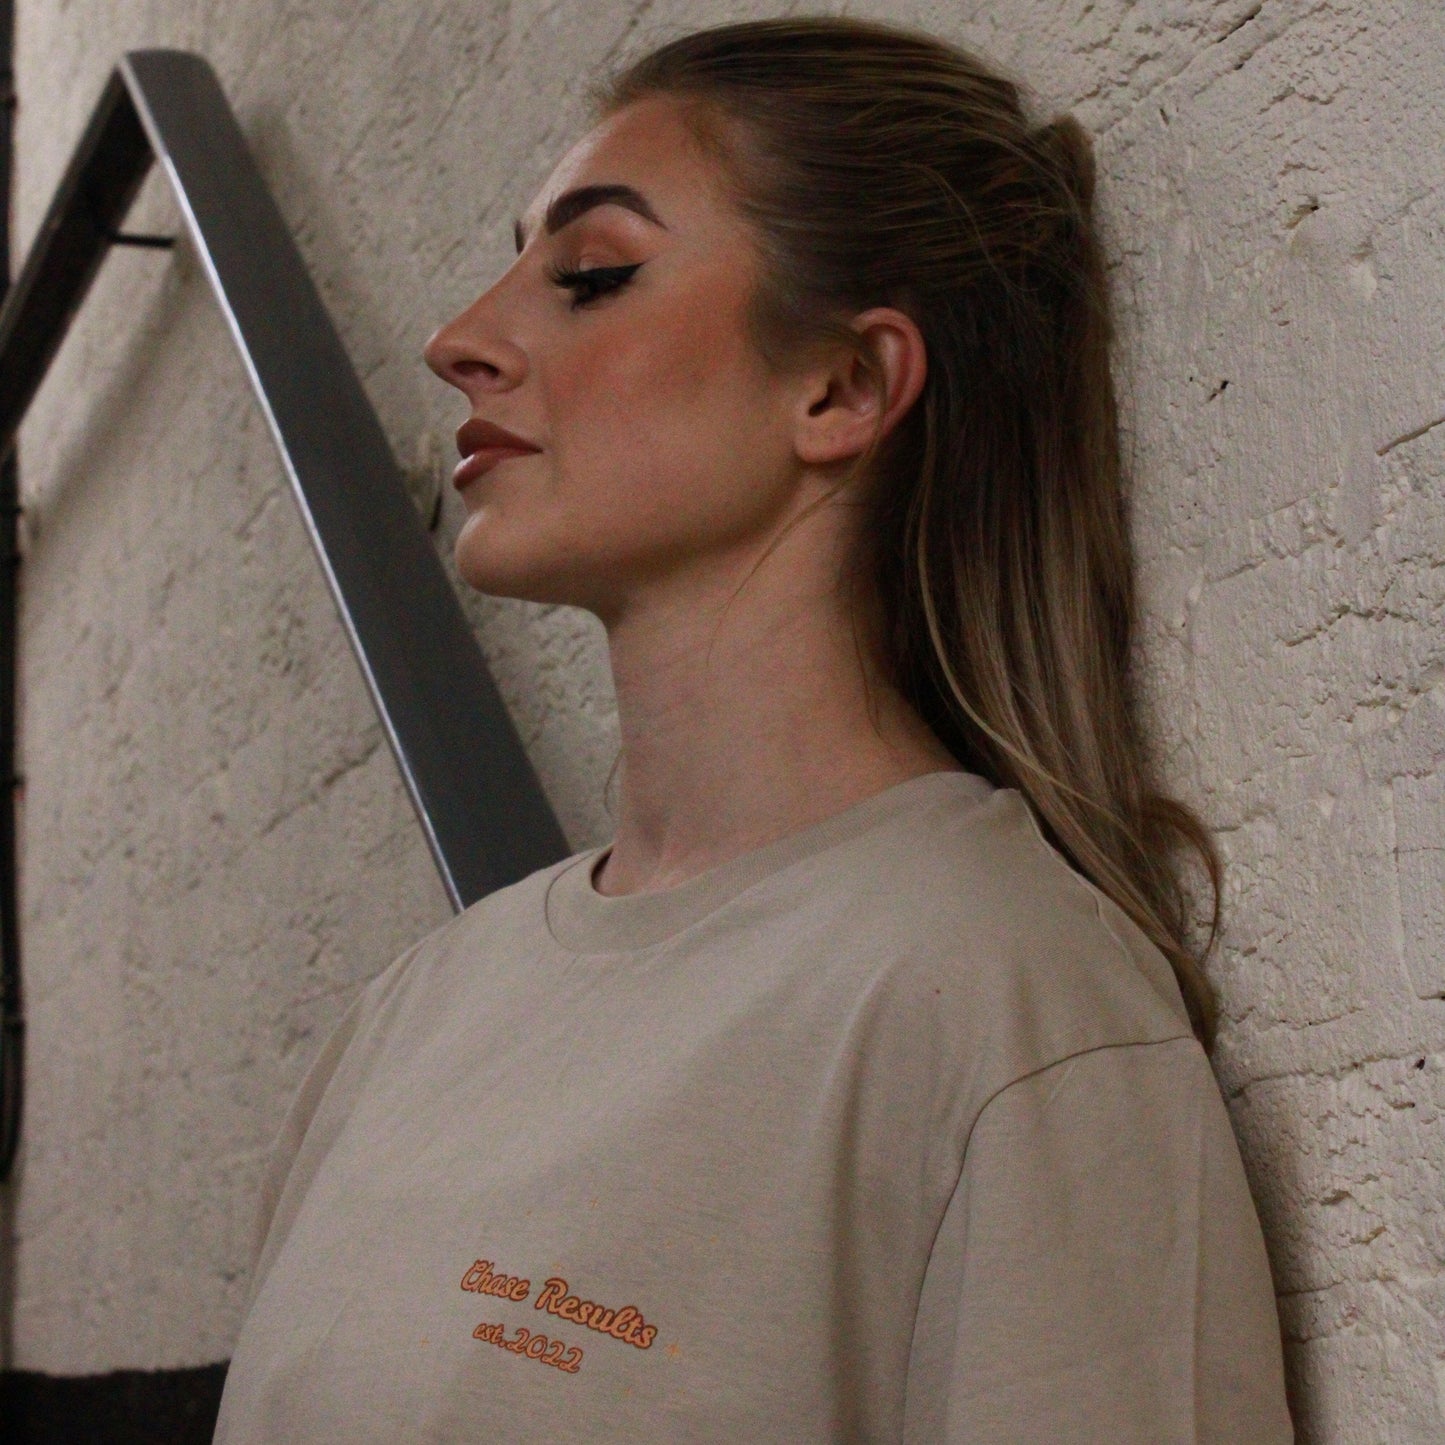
<point x="856" y="395"/>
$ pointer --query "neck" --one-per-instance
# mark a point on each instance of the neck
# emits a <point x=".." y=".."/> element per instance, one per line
<point x="744" y="718"/>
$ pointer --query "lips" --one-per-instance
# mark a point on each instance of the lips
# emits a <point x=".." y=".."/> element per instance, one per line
<point x="483" y="444"/>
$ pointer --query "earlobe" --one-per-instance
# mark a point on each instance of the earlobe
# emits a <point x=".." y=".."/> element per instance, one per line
<point x="864" y="390"/>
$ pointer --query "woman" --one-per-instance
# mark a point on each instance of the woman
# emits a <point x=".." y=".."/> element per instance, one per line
<point x="851" y="1093"/>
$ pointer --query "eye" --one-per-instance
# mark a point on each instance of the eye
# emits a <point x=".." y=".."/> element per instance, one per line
<point x="594" y="282"/>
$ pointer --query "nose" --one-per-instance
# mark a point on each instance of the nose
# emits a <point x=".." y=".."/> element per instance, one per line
<point x="472" y="354"/>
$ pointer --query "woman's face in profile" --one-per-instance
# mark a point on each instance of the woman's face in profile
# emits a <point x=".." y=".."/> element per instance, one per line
<point x="653" y="442"/>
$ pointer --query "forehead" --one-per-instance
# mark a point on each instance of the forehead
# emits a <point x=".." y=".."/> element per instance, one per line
<point x="648" y="145"/>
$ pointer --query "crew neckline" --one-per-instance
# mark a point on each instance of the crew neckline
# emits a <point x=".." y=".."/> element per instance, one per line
<point x="583" y="920"/>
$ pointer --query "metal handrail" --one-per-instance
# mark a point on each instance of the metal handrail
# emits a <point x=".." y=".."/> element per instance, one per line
<point x="476" y="796"/>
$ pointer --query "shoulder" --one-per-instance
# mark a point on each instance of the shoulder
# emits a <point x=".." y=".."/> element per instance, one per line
<point x="490" y="940"/>
<point x="975" y="934"/>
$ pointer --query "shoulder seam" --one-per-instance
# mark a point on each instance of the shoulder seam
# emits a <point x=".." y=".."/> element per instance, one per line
<point x="1023" y="1078"/>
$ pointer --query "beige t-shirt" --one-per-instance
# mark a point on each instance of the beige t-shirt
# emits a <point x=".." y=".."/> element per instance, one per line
<point x="893" y="1130"/>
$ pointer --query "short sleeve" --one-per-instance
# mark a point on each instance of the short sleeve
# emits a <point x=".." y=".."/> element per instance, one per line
<point x="271" y="1217"/>
<point x="1100" y="1273"/>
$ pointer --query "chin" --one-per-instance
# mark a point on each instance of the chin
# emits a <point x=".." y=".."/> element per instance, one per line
<point x="520" y="574"/>
<point x="487" y="574"/>
<point x="484" y="563"/>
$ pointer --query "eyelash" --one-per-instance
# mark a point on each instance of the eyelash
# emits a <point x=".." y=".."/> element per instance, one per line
<point x="594" y="282"/>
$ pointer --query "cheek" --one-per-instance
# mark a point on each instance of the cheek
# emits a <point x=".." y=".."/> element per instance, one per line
<point x="666" y="415"/>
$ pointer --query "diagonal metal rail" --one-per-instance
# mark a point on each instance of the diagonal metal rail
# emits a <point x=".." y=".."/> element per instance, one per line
<point x="475" y="792"/>
<point x="476" y="795"/>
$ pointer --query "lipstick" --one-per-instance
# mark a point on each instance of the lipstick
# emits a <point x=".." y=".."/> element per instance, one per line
<point x="484" y="444"/>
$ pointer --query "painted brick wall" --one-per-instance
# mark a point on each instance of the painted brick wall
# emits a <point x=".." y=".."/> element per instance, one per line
<point x="217" y="851"/>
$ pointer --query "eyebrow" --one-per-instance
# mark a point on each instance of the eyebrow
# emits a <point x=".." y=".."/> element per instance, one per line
<point x="570" y="204"/>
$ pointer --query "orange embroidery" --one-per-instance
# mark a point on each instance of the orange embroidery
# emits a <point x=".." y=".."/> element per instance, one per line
<point x="532" y="1347"/>
<point x="626" y="1324"/>
<point x="479" y="1279"/>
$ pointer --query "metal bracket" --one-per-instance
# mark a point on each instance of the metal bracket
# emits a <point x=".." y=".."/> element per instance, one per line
<point x="126" y="238"/>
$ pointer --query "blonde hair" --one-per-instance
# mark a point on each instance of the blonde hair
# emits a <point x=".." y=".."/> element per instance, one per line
<point x="882" y="167"/>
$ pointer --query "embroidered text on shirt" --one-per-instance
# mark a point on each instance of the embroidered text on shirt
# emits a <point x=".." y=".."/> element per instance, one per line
<point x="626" y="1324"/>
<point x="479" y="1279"/>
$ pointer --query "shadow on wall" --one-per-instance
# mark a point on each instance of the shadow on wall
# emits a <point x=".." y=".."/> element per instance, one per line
<point x="125" y="1407"/>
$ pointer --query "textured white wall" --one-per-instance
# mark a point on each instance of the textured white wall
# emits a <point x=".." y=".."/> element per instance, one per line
<point x="217" y="850"/>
